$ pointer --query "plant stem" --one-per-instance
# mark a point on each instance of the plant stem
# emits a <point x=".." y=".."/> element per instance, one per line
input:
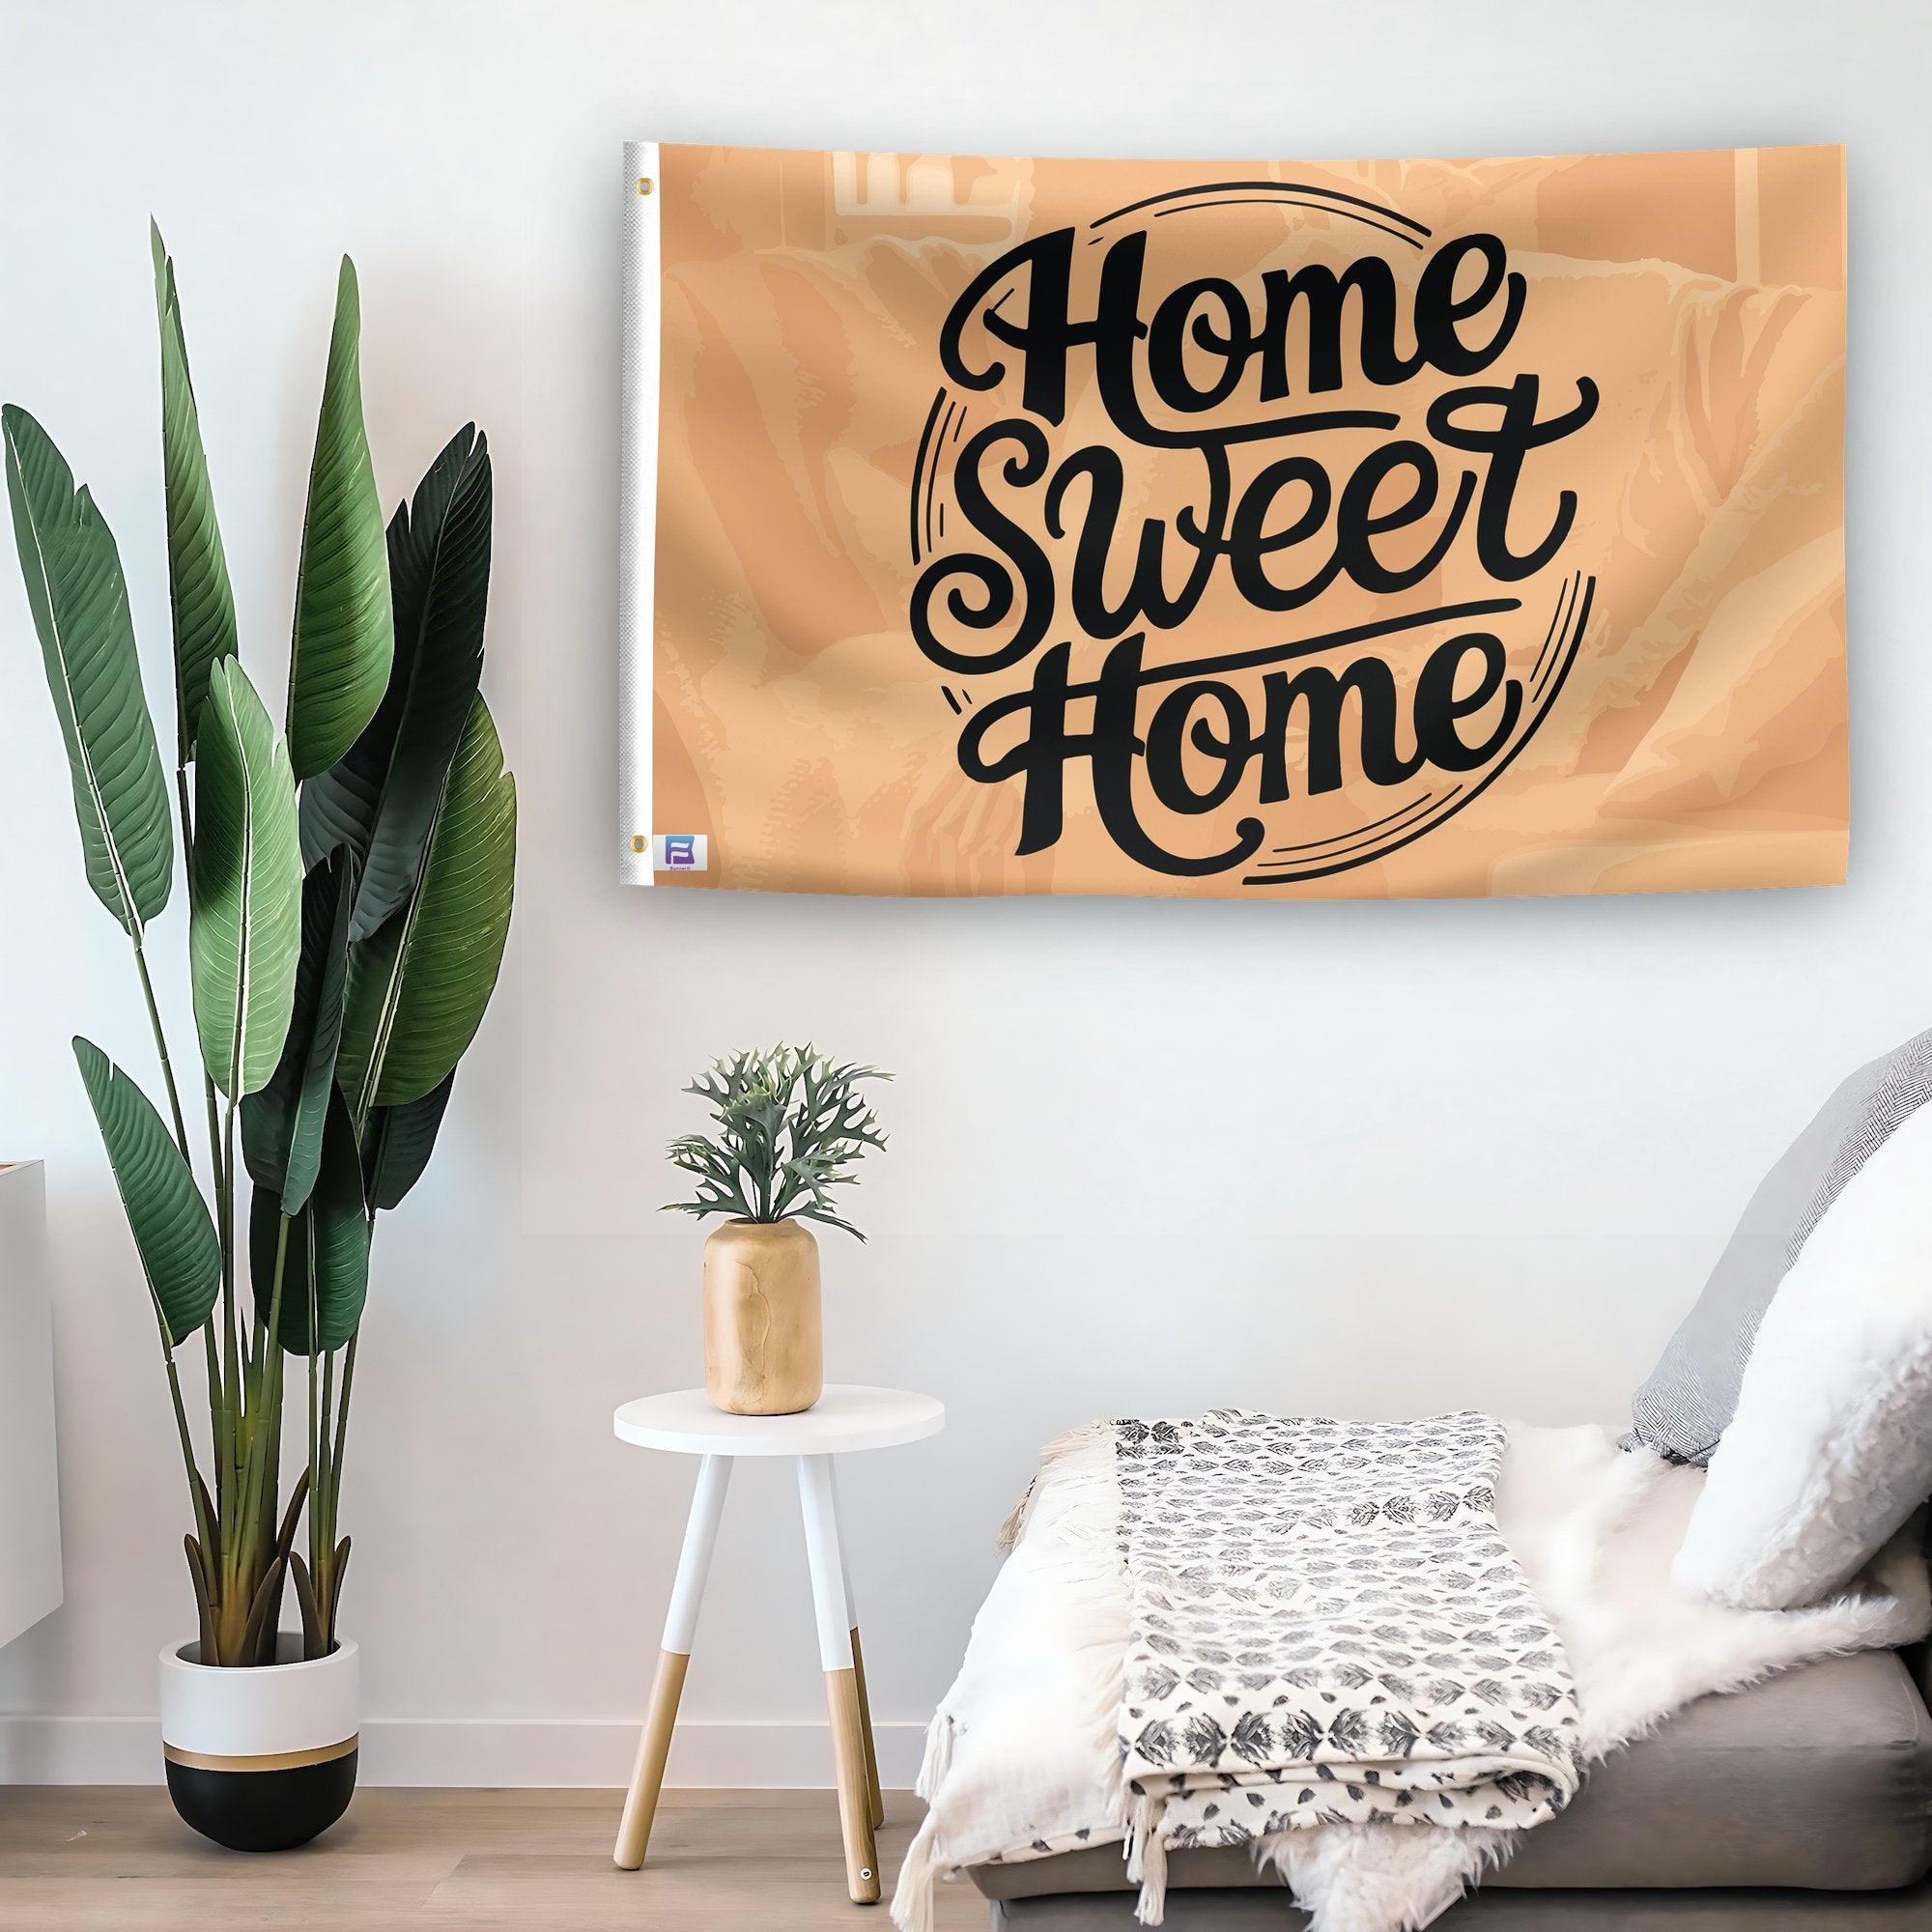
<point x="221" y="1434"/>
<point x="162" y="1047"/>
<point x="342" y="1420"/>
<point x="235" y="1418"/>
<point x="316" y="1433"/>
<point x="267" y="1411"/>
<point x="243" y="1565"/>
<point x="322" y="1524"/>
<point x="231" y="1358"/>
<point x="194" y="1486"/>
<point x="216" y="1435"/>
<point x="186" y="814"/>
<point x="320" y="1517"/>
<point x="321" y="1521"/>
<point x="190" y="1467"/>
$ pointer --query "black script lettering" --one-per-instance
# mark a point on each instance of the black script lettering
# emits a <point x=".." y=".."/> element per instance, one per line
<point x="1249" y="540"/>
<point x="1169" y="336"/>
<point x="1056" y="538"/>
<point x="1358" y="523"/>
<point x="1116" y="746"/>
<point x="1506" y="445"/>
<point x="1049" y="331"/>
<point x="1322" y="692"/>
<point x="1042" y="339"/>
<point x="1146" y="590"/>
<point x="1022" y="553"/>
<point x="1181" y="721"/>
<point x="1439" y="309"/>
<point x="1168" y="737"/>
<point x="1324" y="295"/>
<point x="1041" y="756"/>
<point x="1438" y="707"/>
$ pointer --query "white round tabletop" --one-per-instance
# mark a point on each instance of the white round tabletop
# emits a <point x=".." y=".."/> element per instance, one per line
<point x="843" y="1418"/>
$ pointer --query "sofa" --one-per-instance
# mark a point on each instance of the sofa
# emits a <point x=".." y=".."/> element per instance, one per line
<point x="1801" y="1805"/>
<point x="1801" y="1381"/>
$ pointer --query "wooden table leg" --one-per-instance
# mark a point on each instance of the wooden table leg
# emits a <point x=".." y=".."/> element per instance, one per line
<point x="694" y="1564"/>
<point x="877" y="1796"/>
<point x="819" y="1509"/>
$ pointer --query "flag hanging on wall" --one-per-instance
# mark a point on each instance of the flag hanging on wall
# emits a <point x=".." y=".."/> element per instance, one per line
<point x="1259" y="529"/>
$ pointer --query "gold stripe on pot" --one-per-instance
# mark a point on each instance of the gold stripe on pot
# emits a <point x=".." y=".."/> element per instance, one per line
<point x="268" y="1761"/>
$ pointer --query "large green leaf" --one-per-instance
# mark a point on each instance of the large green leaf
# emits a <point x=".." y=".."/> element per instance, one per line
<point x="173" y="1233"/>
<point x="79" y="601"/>
<point x="281" y="1125"/>
<point x="380" y="798"/>
<point x="325" y="1262"/>
<point x="398" y="1142"/>
<point x="344" y="636"/>
<point x="418" y="987"/>
<point x="198" y="589"/>
<point x="246" y="882"/>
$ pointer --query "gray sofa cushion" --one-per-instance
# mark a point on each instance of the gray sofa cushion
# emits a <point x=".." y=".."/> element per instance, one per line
<point x="1820" y="1780"/>
<point x="1489" y="1911"/>
<point x="1693" y="1393"/>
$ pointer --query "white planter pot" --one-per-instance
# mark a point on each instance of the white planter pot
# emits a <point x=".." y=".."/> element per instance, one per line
<point x="30" y="1550"/>
<point x="260" y="1760"/>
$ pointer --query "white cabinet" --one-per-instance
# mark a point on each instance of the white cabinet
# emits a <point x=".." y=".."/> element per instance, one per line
<point x="30" y="1559"/>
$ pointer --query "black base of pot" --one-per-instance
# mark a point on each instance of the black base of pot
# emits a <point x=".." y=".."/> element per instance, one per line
<point x="263" y="1811"/>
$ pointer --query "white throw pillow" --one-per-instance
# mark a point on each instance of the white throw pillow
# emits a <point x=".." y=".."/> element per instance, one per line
<point x="1830" y="1449"/>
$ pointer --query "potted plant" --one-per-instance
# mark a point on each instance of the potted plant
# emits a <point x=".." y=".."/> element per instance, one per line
<point x="348" y="885"/>
<point x="789" y="1127"/>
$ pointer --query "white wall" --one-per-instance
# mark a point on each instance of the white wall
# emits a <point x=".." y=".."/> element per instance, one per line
<point x="1368" y="1158"/>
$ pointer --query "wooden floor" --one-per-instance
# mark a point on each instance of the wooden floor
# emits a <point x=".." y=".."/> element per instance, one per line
<point x="116" y="1859"/>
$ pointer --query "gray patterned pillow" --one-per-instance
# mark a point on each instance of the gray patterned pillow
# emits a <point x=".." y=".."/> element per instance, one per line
<point x="1693" y="1393"/>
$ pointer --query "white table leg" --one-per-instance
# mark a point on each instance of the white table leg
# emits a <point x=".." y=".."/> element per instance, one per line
<point x="874" y="1793"/>
<point x="818" y="1504"/>
<point x="694" y="1564"/>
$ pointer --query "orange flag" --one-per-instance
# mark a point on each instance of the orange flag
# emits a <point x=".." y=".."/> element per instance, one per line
<point x="1261" y="529"/>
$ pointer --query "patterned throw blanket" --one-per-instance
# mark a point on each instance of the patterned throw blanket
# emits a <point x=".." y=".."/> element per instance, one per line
<point x="1326" y="1626"/>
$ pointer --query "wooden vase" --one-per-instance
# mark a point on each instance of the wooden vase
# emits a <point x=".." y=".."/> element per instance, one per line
<point x="765" y="1351"/>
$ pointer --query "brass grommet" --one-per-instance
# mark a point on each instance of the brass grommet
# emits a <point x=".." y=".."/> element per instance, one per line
<point x="643" y="184"/>
<point x="638" y="842"/>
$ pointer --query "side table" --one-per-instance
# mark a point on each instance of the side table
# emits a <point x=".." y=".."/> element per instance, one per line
<point x="844" y="1419"/>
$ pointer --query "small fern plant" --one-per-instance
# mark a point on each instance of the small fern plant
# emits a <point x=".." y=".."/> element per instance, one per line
<point x="790" y="1126"/>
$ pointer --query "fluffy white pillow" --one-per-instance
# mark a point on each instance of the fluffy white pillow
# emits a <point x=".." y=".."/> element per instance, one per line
<point x="1830" y="1449"/>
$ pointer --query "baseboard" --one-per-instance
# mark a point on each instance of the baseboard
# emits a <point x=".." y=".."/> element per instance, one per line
<point x="479" y="1751"/>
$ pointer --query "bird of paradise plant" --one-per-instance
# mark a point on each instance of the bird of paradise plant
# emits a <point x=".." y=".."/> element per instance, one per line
<point x="349" y="883"/>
